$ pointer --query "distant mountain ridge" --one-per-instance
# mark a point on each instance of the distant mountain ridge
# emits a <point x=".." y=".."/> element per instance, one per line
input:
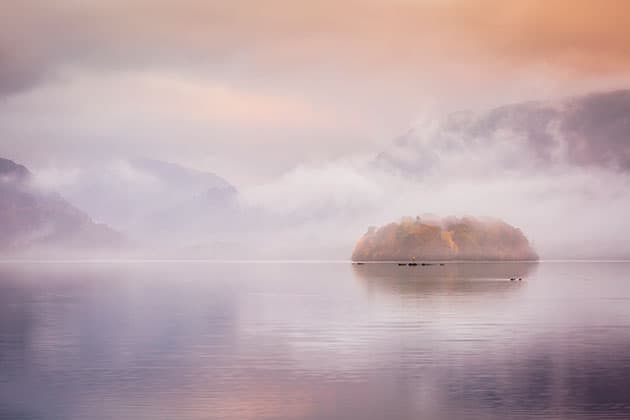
<point x="32" y="219"/>
<point x="590" y="130"/>
<point x="177" y="175"/>
<point x="144" y="196"/>
<point x="11" y="170"/>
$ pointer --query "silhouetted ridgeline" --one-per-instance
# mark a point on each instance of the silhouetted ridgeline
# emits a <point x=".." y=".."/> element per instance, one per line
<point x="453" y="238"/>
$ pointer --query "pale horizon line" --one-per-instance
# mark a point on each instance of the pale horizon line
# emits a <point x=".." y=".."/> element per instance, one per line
<point x="292" y="261"/>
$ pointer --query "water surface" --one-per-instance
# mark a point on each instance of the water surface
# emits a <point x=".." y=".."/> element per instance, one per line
<point x="202" y="340"/>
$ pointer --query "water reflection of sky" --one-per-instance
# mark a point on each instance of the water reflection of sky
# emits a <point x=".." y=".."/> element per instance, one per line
<point x="314" y="341"/>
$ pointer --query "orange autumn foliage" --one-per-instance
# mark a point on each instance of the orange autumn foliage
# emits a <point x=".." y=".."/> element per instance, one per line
<point x="465" y="238"/>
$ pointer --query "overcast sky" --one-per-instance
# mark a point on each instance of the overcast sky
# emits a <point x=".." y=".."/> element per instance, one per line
<point x="251" y="89"/>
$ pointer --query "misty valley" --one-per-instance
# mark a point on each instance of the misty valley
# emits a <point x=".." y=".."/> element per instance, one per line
<point x="143" y="208"/>
<point x="314" y="210"/>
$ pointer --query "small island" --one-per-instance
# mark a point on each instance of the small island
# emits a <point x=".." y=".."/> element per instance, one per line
<point x="452" y="238"/>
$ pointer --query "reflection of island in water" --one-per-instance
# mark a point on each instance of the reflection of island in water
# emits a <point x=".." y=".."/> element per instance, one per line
<point x="465" y="343"/>
<point x="463" y="277"/>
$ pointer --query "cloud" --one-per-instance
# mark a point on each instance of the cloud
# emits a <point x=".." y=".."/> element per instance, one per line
<point x="597" y="130"/>
<point x="158" y="114"/>
<point x="285" y="39"/>
<point x="589" y="130"/>
<point x="519" y="163"/>
<point x="317" y="189"/>
<point x="280" y="97"/>
<point x="313" y="79"/>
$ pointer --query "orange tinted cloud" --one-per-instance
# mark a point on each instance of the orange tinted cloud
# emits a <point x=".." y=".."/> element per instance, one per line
<point x="422" y="36"/>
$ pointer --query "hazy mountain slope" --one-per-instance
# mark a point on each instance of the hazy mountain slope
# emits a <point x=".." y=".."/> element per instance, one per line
<point x="32" y="219"/>
<point x="144" y="197"/>
<point x="586" y="131"/>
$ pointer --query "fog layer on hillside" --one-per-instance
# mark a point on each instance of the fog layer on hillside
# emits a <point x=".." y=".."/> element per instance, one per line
<point x="557" y="170"/>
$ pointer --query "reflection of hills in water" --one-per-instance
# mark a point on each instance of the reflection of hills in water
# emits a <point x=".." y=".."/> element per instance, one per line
<point x="478" y="278"/>
<point x="440" y="360"/>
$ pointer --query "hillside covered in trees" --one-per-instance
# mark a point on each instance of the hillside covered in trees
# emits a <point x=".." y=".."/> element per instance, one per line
<point x="465" y="238"/>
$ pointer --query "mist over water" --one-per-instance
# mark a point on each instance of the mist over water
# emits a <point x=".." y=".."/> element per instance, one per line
<point x="558" y="170"/>
<point x="201" y="340"/>
<point x="184" y="183"/>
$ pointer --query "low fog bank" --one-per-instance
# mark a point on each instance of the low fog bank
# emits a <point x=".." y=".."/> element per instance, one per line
<point x="559" y="171"/>
<point x="37" y="222"/>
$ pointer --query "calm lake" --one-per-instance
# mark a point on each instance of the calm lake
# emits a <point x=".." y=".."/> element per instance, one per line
<point x="278" y="340"/>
